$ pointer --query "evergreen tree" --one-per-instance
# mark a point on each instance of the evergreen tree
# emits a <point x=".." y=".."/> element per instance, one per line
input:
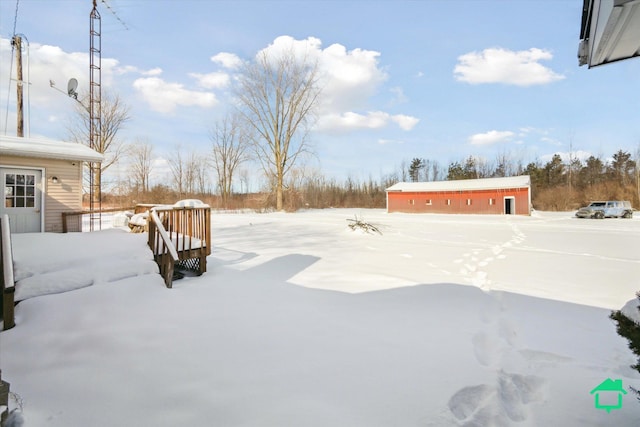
<point x="554" y="171"/>
<point x="621" y="166"/>
<point x="629" y="329"/>
<point x="415" y="168"/>
<point x="455" y="172"/>
<point x="592" y="172"/>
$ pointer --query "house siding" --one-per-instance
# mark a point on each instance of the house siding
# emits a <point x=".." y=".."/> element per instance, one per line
<point x="65" y="196"/>
<point x="489" y="201"/>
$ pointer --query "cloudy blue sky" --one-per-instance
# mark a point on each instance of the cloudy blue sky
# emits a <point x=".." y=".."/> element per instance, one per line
<point x="435" y="79"/>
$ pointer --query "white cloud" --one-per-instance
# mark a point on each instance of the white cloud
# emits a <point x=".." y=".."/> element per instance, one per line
<point x="164" y="97"/>
<point x="399" y="96"/>
<point x="355" y="121"/>
<point x="213" y="80"/>
<point x="551" y="141"/>
<point x="497" y="65"/>
<point x="351" y="121"/>
<point x="309" y="48"/>
<point x="491" y="137"/>
<point x="227" y="60"/>
<point x="132" y="69"/>
<point x="526" y="129"/>
<point x="153" y="72"/>
<point x="50" y="63"/>
<point x="405" y="122"/>
<point x="349" y="79"/>
<point x="565" y="156"/>
<point x="160" y="170"/>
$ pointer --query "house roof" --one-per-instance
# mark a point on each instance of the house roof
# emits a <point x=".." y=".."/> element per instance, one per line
<point x="610" y="31"/>
<point x="610" y="385"/>
<point x="47" y="149"/>
<point x="463" y="184"/>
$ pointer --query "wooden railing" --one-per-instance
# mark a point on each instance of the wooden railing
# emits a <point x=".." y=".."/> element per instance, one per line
<point x="6" y="276"/>
<point x="162" y="247"/>
<point x="187" y="230"/>
<point x="72" y="221"/>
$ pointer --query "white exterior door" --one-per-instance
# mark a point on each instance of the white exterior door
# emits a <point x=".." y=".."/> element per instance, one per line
<point x="22" y="189"/>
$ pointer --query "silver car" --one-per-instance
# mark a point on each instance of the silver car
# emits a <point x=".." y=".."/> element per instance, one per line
<point x="608" y="209"/>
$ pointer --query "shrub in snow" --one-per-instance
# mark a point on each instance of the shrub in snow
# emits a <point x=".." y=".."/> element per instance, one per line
<point x="630" y="329"/>
<point x="364" y="226"/>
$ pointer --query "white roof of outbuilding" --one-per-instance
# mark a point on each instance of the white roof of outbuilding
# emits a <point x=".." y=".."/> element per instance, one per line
<point x="47" y="149"/>
<point x="464" y="184"/>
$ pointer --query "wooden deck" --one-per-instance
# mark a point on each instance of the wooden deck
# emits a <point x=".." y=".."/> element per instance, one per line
<point x="7" y="283"/>
<point x="180" y="236"/>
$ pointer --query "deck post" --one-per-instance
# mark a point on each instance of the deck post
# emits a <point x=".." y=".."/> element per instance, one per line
<point x="4" y="399"/>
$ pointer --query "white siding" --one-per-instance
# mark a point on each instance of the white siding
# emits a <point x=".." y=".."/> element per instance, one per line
<point x="65" y="196"/>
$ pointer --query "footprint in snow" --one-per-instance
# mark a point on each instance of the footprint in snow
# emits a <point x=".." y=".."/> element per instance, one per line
<point x="485" y="349"/>
<point x="501" y="404"/>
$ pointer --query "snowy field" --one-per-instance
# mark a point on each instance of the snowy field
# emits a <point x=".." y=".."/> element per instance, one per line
<point x="440" y="321"/>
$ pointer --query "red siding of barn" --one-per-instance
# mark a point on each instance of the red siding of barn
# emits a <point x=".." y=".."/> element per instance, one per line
<point x="459" y="202"/>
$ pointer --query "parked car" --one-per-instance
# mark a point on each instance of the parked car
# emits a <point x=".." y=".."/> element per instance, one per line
<point x="608" y="209"/>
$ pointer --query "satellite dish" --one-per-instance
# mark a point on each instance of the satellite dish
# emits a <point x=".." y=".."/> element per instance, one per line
<point x="71" y="88"/>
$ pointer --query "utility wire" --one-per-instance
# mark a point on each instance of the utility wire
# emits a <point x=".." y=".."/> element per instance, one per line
<point x="113" y="12"/>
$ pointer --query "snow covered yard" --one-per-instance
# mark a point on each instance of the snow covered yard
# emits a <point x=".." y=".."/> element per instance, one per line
<point x="439" y="321"/>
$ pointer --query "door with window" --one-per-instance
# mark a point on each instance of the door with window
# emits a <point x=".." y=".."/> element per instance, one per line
<point x="22" y="189"/>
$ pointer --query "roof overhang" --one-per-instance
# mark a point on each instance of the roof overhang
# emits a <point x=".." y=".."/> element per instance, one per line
<point x="47" y="149"/>
<point x="522" y="181"/>
<point x="610" y="31"/>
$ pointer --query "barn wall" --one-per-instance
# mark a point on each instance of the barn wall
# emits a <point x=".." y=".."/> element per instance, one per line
<point x="458" y="202"/>
<point x="65" y="196"/>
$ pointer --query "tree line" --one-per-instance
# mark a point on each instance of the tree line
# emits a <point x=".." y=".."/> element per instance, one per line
<point x="556" y="184"/>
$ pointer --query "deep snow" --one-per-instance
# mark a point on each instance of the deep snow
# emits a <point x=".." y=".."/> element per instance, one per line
<point x="442" y="320"/>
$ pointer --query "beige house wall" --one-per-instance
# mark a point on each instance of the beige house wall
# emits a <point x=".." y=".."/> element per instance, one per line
<point x="63" y="196"/>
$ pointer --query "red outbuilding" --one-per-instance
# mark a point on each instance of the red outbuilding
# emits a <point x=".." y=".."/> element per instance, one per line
<point x="510" y="196"/>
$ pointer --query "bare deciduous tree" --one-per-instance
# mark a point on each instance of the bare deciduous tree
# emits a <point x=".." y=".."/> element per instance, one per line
<point x="244" y="180"/>
<point x="230" y="149"/>
<point x="198" y="175"/>
<point x="114" y="115"/>
<point x="178" y="169"/>
<point x="141" y="158"/>
<point x="188" y="172"/>
<point x="277" y="94"/>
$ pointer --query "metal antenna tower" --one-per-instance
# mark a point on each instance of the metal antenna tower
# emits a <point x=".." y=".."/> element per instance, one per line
<point x="95" y="116"/>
